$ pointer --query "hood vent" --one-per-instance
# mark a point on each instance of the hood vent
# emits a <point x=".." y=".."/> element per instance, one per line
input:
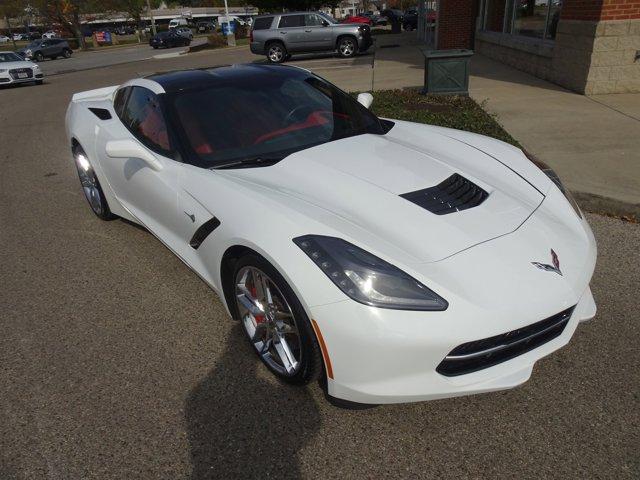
<point x="452" y="195"/>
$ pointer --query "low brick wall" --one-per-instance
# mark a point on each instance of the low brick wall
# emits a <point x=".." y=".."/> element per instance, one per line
<point x="590" y="57"/>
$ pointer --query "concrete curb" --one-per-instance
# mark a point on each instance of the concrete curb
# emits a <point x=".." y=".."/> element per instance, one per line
<point x="590" y="202"/>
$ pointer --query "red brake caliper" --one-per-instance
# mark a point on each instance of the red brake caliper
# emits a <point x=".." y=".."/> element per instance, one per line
<point x="254" y="294"/>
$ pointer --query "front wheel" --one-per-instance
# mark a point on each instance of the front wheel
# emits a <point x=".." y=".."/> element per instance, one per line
<point x="91" y="186"/>
<point x="38" y="57"/>
<point x="347" y="47"/>
<point x="66" y="53"/>
<point x="276" y="52"/>
<point x="275" y="322"/>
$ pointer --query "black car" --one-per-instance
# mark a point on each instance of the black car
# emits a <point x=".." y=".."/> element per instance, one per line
<point x="169" y="39"/>
<point x="410" y="20"/>
<point x="43" y="48"/>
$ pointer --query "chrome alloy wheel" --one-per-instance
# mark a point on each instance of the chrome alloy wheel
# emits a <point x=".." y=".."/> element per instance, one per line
<point x="268" y="320"/>
<point x="347" y="47"/>
<point x="276" y="53"/>
<point x="89" y="183"/>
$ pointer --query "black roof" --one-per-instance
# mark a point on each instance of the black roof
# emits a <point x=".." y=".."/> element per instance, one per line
<point x="179" y="80"/>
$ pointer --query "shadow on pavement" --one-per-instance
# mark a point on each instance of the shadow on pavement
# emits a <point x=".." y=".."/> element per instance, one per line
<point x="243" y="424"/>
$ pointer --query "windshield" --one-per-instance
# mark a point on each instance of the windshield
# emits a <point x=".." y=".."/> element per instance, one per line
<point x="291" y="110"/>
<point x="10" y="57"/>
<point x="328" y="17"/>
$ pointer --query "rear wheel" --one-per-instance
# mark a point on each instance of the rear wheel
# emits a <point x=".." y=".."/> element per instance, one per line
<point x="66" y="53"/>
<point x="91" y="186"/>
<point x="276" y="52"/>
<point x="347" y="47"/>
<point x="39" y="82"/>
<point x="274" y="321"/>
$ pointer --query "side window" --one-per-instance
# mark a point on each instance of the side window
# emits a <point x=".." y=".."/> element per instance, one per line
<point x="263" y="23"/>
<point x="120" y="99"/>
<point x="311" y="20"/>
<point x="143" y="116"/>
<point x="291" y="21"/>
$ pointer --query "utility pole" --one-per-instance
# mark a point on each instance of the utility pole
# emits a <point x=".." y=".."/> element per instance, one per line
<point x="153" y="22"/>
<point x="231" y="38"/>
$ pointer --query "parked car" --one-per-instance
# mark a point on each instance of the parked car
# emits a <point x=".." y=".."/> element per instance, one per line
<point x="20" y="36"/>
<point x="184" y="32"/>
<point x="280" y="35"/>
<point x="376" y="19"/>
<point x="4" y="39"/>
<point x="203" y="27"/>
<point x="178" y="22"/>
<point x="392" y="260"/>
<point x="392" y="15"/>
<point x="51" y="34"/>
<point x="410" y="20"/>
<point x="169" y="39"/>
<point x="15" y="69"/>
<point x="357" y="19"/>
<point x="46" y="48"/>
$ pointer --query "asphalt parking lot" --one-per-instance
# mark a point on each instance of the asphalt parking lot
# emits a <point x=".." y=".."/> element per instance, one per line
<point x="116" y="361"/>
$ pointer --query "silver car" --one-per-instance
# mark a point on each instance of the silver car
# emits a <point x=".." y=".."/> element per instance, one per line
<point x="279" y="35"/>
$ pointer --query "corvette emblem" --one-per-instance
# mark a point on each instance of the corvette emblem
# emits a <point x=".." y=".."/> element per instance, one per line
<point x="550" y="268"/>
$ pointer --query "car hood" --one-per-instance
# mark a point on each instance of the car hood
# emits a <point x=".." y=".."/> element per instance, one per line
<point x="10" y="65"/>
<point x="361" y="179"/>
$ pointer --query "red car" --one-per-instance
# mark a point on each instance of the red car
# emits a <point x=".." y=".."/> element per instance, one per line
<point x="357" y="19"/>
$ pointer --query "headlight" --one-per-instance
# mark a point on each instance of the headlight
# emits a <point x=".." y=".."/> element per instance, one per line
<point x="555" y="179"/>
<point x="366" y="278"/>
<point x="27" y="52"/>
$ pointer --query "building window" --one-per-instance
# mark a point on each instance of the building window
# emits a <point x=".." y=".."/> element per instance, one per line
<point x="528" y="18"/>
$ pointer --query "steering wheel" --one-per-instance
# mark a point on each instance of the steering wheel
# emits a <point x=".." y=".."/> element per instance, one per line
<point x="293" y="114"/>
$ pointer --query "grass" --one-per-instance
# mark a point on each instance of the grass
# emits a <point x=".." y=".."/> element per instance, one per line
<point x="453" y="111"/>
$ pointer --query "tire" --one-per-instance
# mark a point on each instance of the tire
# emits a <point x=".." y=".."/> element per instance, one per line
<point x="289" y="351"/>
<point x="347" y="47"/>
<point x="66" y="53"/>
<point x="38" y="57"/>
<point x="39" y="82"/>
<point x="276" y="52"/>
<point x="91" y="187"/>
<point x="155" y="47"/>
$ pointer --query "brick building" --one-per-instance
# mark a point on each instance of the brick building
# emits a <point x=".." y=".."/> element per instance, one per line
<point x="590" y="46"/>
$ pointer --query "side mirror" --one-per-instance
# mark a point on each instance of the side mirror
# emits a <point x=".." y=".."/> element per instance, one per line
<point x="132" y="149"/>
<point x="365" y="99"/>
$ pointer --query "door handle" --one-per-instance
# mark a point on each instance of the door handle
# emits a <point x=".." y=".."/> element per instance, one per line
<point x="283" y="33"/>
<point x="308" y="31"/>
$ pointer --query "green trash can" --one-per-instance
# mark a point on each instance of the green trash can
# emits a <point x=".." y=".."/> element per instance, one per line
<point x="446" y="71"/>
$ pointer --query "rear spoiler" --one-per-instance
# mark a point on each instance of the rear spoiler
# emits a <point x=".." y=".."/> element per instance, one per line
<point x="95" y="95"/>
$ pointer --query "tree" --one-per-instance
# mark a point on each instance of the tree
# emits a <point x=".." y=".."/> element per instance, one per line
<point x="10" y="9"/>
<point x="68" y="14"/>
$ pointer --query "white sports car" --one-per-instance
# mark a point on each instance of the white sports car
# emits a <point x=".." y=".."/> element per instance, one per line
<point x="398" y="261"/>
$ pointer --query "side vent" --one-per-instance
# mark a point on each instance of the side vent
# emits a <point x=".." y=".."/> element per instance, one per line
<point x="101" y="113"/>
<point x="203" y="232"/>
<point x="452" y="195"/>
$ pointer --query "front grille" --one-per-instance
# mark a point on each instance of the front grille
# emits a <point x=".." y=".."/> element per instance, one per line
<point x="452" y="195"/>
<point x="14" y="72"/>
<point x="478" y="354"/>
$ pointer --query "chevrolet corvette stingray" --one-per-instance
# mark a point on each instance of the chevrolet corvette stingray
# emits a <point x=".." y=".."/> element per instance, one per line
<point x="394" y="261"/>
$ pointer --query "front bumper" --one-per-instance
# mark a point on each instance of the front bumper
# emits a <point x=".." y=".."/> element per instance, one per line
<point x="391" y="356"/>
<point x="7" y="79"/>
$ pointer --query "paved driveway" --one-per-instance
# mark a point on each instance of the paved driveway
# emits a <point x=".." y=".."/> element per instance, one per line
<point x="117" y="362"/>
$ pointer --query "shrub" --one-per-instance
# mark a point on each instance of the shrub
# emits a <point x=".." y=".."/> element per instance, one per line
<point x="216" y="41"/>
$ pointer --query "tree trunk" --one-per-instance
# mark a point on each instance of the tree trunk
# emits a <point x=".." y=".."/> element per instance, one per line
<point x="77" y="30"/>
<point x="6" y="19"/>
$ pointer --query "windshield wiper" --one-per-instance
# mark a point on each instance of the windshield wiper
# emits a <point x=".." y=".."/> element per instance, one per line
<point x="257" y="161"/>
